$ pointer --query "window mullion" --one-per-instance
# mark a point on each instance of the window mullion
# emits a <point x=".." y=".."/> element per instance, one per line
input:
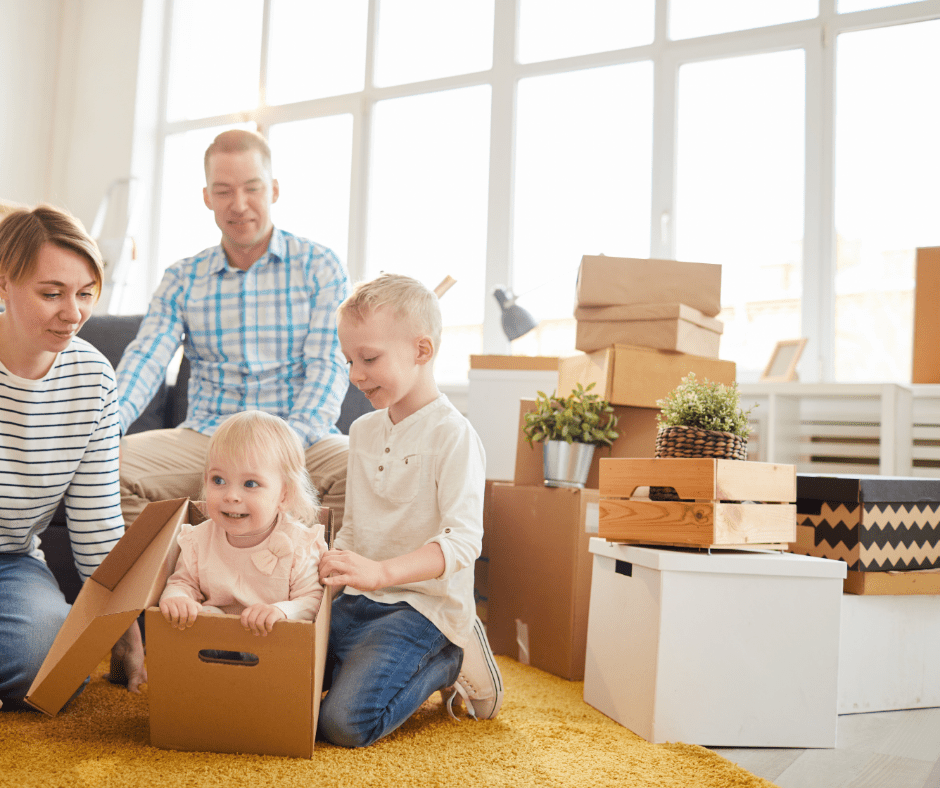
<point x="500" y="189"/>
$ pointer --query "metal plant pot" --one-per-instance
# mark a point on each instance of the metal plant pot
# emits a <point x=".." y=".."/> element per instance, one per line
<point x="566" y="464"/>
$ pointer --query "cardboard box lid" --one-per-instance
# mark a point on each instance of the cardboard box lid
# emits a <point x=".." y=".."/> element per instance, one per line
<point x="130" y="578"/>
<point x="866" y="489"/>
<point x="514" y="362"/>
<point x="610" y="281"/>
<point x="628" y="313"/>
<point x="733" y="562"/>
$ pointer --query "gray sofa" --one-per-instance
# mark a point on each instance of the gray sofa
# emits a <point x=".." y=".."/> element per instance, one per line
<point x="111" y="334"/>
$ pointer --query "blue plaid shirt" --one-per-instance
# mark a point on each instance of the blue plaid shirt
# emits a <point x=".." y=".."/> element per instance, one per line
<point x="261" y="339"/>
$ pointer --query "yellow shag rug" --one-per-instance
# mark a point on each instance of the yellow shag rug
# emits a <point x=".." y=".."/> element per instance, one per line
<point x="545" y="735"/>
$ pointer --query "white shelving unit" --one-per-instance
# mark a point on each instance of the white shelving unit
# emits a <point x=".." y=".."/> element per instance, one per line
<point x="885" y="429"/>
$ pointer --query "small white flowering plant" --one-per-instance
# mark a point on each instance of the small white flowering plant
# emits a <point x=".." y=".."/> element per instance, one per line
<point x="706" y="405"/>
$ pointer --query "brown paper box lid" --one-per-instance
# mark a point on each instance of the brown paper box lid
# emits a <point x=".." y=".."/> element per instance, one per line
<point x="129" y="579"/>
<point x="628" y="313"/>
<point x="514" y="362"/>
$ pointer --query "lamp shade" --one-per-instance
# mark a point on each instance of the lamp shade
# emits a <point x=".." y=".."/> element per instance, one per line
<point x="516" y="320"/>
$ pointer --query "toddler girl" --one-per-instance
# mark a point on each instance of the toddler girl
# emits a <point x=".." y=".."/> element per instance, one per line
<point x="258" y="555"/>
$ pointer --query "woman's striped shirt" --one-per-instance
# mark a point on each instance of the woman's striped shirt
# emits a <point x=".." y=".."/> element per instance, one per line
<point x="59" y="436"/>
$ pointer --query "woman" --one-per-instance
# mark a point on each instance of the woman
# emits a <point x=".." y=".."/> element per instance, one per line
<point x="60" y="437"/>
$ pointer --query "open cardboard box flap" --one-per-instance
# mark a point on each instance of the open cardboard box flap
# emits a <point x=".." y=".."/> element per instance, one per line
<point x="129" y="580"/>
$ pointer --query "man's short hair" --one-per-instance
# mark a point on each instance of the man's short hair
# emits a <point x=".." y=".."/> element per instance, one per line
<point x="410" y="299"/>
<point x="24" y="232"/>
<point x="238" y="141"/>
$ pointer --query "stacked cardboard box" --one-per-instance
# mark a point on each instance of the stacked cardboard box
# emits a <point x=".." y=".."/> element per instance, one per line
<point x="643" y="325"/>
<point x="661" y="304"/>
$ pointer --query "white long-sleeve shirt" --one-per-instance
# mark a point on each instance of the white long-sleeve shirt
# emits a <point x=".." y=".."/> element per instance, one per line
<point x="414" y="483"/>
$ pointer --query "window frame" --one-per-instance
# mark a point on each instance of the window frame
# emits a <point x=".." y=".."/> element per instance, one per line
<point x="816" y="37"/>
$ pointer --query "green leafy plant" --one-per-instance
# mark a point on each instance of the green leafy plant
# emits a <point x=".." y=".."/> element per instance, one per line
<point x="580" y="417"/>
<point x="706" y="405"/>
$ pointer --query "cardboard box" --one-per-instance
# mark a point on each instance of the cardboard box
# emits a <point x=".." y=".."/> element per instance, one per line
<point x="497" y="383"/>
<point x="130" y="579"/>
<point x="540" y="576"/>
<point x="638" y="376"/>
<point x="926" y="359"/>
<point x="889" y="653"/>
<point x="734" y="649"/>
<point x="615" y="281"/>
<point x="723" y="503"/>
<point x="637" y="428"/>
<point x="200" y="704"/>
<point x="269" y="708"/>
<point x="662" y="326"/>
<point x="873" y="523"/>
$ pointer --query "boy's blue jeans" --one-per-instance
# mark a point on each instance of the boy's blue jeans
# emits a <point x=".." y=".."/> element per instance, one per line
<point x="382" y="663"/>
<point x="32" y="610"/>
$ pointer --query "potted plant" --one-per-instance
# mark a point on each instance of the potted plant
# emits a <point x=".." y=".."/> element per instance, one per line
<point x="702" y="419"/>
<point x="569" y="428"/>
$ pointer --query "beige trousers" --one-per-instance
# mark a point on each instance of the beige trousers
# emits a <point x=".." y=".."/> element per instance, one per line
<point x="160" y="465"/>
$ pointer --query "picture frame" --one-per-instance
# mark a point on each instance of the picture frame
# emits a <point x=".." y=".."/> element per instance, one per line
<point x="783" y="361"/>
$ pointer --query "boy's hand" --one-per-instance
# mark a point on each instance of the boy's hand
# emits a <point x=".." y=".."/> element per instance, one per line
<point x="260" y="618"/>
<point x="342" y="567"/>
<point x="180" y="611"/>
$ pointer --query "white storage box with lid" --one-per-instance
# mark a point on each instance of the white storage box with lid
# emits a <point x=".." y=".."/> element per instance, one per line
<point x="725" y="649"/>
<point x="889" y="654"/>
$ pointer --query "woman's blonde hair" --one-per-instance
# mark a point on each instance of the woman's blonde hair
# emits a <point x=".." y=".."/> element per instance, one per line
<point x="410" y="300"/>
<point x="24" y="232"/>
<point x="253" y="436"/>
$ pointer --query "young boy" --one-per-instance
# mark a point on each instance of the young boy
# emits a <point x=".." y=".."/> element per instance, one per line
<point x="405" y="626"/>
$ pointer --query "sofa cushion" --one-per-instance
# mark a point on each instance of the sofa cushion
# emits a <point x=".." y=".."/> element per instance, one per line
<point x="111" y="334"/>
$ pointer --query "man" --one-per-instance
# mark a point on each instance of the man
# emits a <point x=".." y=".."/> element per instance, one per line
<point x="256" y="316"/>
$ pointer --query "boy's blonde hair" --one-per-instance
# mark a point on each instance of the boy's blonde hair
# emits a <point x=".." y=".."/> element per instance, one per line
<point x="253" y="436"/>
<point x="24" y="232"/>
<point x="410" y="299"/>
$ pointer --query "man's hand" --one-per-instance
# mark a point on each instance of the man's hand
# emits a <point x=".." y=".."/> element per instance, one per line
<point x="127" y="660"/>
<point x="180" y="611"/>
<point x="260" y="618"/>
<point x="342" y="567"/>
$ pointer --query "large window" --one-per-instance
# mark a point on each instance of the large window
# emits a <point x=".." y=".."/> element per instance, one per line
<point x="498" y="141"/>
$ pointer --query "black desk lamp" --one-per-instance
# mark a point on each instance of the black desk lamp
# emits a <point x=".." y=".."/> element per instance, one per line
<point x="516" y="320"/>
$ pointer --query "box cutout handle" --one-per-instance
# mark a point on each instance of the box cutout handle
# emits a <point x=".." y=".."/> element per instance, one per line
<point x="623" y="568"/>
<point x="243" y="658"/>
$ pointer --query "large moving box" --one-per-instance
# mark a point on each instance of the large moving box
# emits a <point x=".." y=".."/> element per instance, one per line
<point x="540" y="575"/>
<point x="733" y="649"/>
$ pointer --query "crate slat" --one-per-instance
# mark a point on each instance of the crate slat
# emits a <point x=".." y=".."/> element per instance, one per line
<point x="696" y="524"/>
<point x="700" y="479"/>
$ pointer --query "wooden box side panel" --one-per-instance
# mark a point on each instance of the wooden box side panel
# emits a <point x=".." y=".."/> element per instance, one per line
<point x="696" y="524"/>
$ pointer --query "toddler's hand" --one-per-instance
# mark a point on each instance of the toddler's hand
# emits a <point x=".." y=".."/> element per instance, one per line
<point x="260" y="618"/>
<point x="180" y="611"/>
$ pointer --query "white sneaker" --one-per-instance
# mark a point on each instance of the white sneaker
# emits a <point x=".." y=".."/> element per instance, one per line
<point x="480" y="683"/>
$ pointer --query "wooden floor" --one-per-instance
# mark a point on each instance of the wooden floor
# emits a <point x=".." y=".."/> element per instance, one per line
<point x="892" y="749"/>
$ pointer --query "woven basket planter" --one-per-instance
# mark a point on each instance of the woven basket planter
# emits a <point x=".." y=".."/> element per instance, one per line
<point x="683" y="441"/>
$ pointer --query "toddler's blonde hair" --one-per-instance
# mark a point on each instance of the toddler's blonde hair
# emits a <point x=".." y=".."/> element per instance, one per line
<point x="253" y="436"/>
<point x="410" y="300"/>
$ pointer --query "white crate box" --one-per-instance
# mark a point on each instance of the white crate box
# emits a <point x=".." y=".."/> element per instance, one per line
<point x="722" y="649"/>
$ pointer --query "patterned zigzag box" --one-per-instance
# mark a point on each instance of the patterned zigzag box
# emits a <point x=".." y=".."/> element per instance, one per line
<point x="873" y="523"/>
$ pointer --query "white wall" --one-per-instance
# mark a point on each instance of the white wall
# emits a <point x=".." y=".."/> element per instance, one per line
<point x="67" y="99"/>
<point x="29" y="45"/>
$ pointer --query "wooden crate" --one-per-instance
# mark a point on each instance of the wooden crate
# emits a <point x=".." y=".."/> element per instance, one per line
<point x="725" y="503"/>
